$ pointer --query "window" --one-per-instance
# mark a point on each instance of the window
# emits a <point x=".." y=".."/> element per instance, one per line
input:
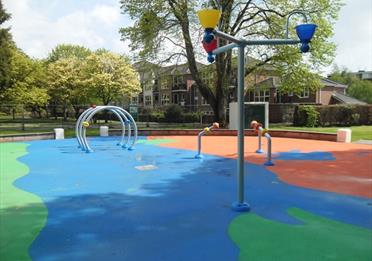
<point x="178" y="80"/>
<point x="163" y="83"/>
<point x="208" y="78"/>
<point x="148" y="86"/>
<point x="204" y="101"/>
<point x="175" y="99"/>
<point x="305" y="93"/>
<point x="164" y="99"/>
<point x="134" y="100"/>
<point x="148" y="100"/>
<point x="261" y="95"/>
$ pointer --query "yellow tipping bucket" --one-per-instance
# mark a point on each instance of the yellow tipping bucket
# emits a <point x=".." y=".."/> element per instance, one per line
<point x="209" y="17"/>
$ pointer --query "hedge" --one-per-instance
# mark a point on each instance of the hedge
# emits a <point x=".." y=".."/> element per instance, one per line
<point x="332" y="115"/>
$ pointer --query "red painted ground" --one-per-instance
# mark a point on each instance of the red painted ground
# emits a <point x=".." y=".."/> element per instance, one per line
<point x="350" y="173"/>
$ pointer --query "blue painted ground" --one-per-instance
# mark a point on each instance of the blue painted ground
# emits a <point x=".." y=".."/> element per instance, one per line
<point x="102" y="206"/>
<point x="298" y="155"/>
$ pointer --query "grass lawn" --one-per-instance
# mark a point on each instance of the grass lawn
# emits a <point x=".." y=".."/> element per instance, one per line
<point x="69" y="133"/>
<point x="358" y="132"/>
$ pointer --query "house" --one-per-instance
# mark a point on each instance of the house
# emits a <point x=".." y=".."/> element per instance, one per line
<point x="268" y="90"/>
<point x="364" y="75"/>
<point x="174" y="84"/>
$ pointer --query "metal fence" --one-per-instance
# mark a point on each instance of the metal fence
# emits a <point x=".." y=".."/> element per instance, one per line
<point x="15" y="117"/>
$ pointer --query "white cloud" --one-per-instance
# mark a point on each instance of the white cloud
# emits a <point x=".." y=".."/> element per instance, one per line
<point x="39" y="25"/>
<point x="106" y="14"/>
<point x="353" y="36"/>
<point x="37" y="31"/>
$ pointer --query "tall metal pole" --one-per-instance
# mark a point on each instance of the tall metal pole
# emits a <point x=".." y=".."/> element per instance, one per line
<point x="241" y="124"/>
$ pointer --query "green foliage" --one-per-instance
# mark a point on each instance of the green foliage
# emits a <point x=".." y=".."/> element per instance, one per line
<point x="6" y="46"/>
<point x="344" y="115"/>
<point x="110" y="77"/>
<point x="340" y="115"/>
<point x="191" y="117"/>
<point x="174" y="113"/>
<point x="64" y="51"/>
<point x="357" y="88"/>
<point x="153" y="116"/>
<point x="306" y="115"/>
<point x="66" y="81"/>
<point x="166" y="30"/>
<point x="27" y="86"/>
<point x="361" y="90"/>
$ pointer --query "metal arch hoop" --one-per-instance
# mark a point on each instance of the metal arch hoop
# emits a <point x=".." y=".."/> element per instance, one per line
<point x="125" y="119"/>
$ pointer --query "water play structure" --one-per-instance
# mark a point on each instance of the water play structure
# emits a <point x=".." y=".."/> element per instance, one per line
<point x="206" y="130"/>
<point x="128" y="139"/>
<point x="257" y="127"/>
<point x="209" y="19"/>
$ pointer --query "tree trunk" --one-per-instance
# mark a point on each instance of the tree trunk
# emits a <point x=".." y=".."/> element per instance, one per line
<point x="77" y="110"/>
<point x="216" y="100"/>
<point x="46" y="112"/>
<point x="65" y="112"/>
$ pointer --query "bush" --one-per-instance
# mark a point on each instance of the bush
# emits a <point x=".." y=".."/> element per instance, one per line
<point x="191" y="117"/>
<point x="306" y="115"/>
<point x="344" y="115"/>
<point x="174" y="113"/>
<point x="152" y="117"/>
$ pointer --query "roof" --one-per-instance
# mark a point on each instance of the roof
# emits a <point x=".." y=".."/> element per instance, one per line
<point x="178" y="69"/>
<point x="329" y="83"/>
<point x="346" y="99"/>
<point x="267" y="83"/>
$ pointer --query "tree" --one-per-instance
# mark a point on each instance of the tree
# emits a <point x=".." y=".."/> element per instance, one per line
<point x="67" y="83"/>
<point x="26" y="85"/>
<point x="361" y="90"/>
<point x="63" y="51"/>
<point x="67" y="60"/>
<point x="357" y="88"/>
<point x="165" y="30"/>
<point x="111" y="77"/>
<point x="6" y="46"/>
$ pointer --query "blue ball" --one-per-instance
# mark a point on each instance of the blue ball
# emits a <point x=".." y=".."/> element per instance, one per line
<point x="210" y="58"/>
<point x="305" y="48"/>
<point x="208" y="36"/>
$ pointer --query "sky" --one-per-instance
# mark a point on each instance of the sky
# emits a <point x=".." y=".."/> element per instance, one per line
<point x="39" y="25"/>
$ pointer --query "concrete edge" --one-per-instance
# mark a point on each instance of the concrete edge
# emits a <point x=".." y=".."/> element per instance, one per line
<point x="185" y="132"/>
<point x="27" y="137"/>
<point x="226" y="132"/>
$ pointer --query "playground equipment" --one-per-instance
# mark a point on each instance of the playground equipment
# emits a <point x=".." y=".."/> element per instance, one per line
<point x="206" y="130"/>
<point x="257" y="127"/>
<point x="127" y="139"/>
<point x="209" y="20"/>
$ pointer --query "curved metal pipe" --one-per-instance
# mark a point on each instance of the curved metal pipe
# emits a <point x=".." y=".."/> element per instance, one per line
<point x="200" y="134"/>
<point x="289" y="16"/>
<point x="268" y="160"/>
<point x="259" y="150"/>
<point x="90" y="115"/>
<point x="78" y="122"/>
<point x="124" y="117"/>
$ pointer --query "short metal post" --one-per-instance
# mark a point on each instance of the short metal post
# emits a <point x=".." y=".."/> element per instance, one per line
<point x="203" y="132"/>
<point x="199" y="155"/>
<point x="259" y="150"/>
<point x="268" y="161"/>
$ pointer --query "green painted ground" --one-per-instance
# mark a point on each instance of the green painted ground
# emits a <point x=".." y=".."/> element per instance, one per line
<point x="318" y="239"/>
<point x="357" y="132"/>
<point x="155" y="141"/>
<point x="22" y="214"/>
